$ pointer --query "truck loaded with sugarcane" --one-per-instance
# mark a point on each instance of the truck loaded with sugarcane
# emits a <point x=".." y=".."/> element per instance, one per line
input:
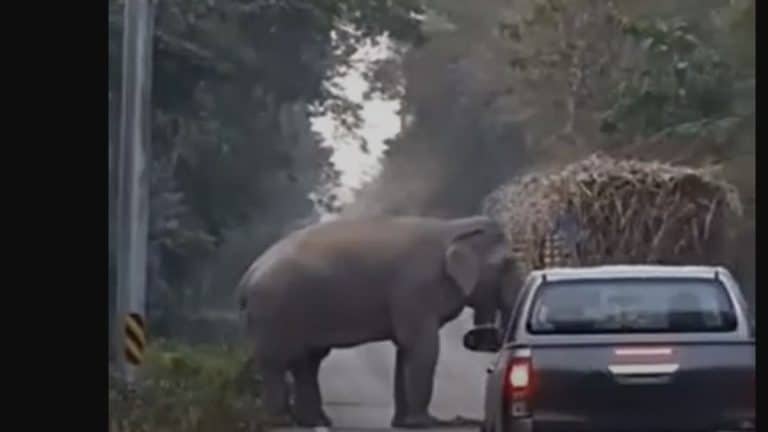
<point x="627" y="320"/>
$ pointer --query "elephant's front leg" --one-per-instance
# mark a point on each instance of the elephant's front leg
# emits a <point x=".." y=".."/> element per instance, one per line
<point x="308" y="402"/>
<point x="420" y="351"/>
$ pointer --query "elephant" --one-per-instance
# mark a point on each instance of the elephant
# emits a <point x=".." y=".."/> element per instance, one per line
<point x="348" y="282"/>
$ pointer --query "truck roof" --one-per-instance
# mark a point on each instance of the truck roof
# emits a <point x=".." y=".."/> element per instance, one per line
<point x="630" y="271"/>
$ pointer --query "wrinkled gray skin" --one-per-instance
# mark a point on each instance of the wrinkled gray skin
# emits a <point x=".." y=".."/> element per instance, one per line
<point x="350" y="282"/>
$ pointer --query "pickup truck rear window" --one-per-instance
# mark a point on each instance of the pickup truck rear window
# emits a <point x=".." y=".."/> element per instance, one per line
<point x="631" y="306"/>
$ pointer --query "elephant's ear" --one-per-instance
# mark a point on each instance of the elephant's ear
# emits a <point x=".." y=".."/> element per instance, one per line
<point x="462" y="264"/>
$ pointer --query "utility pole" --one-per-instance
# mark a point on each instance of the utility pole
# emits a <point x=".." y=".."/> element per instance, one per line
<point x="133" y="187"/>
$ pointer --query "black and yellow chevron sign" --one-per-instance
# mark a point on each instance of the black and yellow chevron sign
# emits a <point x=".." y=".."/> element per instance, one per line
<point x="135" y="338"/>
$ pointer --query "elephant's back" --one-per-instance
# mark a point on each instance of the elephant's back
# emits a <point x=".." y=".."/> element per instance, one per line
<point x="376" y="237"/>
<point x="368" y="254"/>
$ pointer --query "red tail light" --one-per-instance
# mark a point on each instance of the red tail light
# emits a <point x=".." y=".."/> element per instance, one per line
<point x="518" y="385"/>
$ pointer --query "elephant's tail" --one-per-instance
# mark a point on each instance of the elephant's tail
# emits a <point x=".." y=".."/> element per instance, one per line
<point x="241" y="293"/>
<point x="242" y="288"/>
<point x="242" y="301"/>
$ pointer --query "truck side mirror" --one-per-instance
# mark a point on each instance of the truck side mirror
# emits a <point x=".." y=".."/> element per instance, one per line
<point x="483" y="339"/>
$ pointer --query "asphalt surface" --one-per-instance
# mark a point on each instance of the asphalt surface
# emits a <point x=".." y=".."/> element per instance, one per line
<point x="357" y="383"/>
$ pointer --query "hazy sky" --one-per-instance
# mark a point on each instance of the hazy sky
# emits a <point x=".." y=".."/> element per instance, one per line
<point x="380" y="123"/>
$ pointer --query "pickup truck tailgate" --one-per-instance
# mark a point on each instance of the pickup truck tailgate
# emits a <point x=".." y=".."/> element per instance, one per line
<point x="696" y="387"/>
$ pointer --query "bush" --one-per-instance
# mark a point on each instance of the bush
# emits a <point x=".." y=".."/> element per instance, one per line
<point x="184" y="388"/>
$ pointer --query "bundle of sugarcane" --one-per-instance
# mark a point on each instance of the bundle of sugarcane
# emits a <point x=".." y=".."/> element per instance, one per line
<point x="603" y="210"/>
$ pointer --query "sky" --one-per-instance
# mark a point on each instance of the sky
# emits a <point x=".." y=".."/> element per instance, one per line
<point x="380" y="122"/>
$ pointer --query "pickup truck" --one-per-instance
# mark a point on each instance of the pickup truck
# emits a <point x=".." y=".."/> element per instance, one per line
<point x="622" y="348"/>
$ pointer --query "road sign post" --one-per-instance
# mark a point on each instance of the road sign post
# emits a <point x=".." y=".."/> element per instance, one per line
<point x="133" y="186"/>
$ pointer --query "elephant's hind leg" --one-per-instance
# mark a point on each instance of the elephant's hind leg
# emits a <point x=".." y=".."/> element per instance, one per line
<point x="308" y="402"/>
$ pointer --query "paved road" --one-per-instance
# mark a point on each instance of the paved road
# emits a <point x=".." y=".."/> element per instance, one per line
<point x="357" y="383"/>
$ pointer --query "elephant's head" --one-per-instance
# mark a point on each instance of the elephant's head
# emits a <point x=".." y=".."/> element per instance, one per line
<point x="477" y="259"/>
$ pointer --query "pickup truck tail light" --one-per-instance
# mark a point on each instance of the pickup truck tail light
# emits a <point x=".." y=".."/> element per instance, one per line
<point x="518" y="385"/>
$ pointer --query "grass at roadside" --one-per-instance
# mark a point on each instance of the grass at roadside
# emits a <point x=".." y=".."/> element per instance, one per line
<point x="187" y="389"/>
